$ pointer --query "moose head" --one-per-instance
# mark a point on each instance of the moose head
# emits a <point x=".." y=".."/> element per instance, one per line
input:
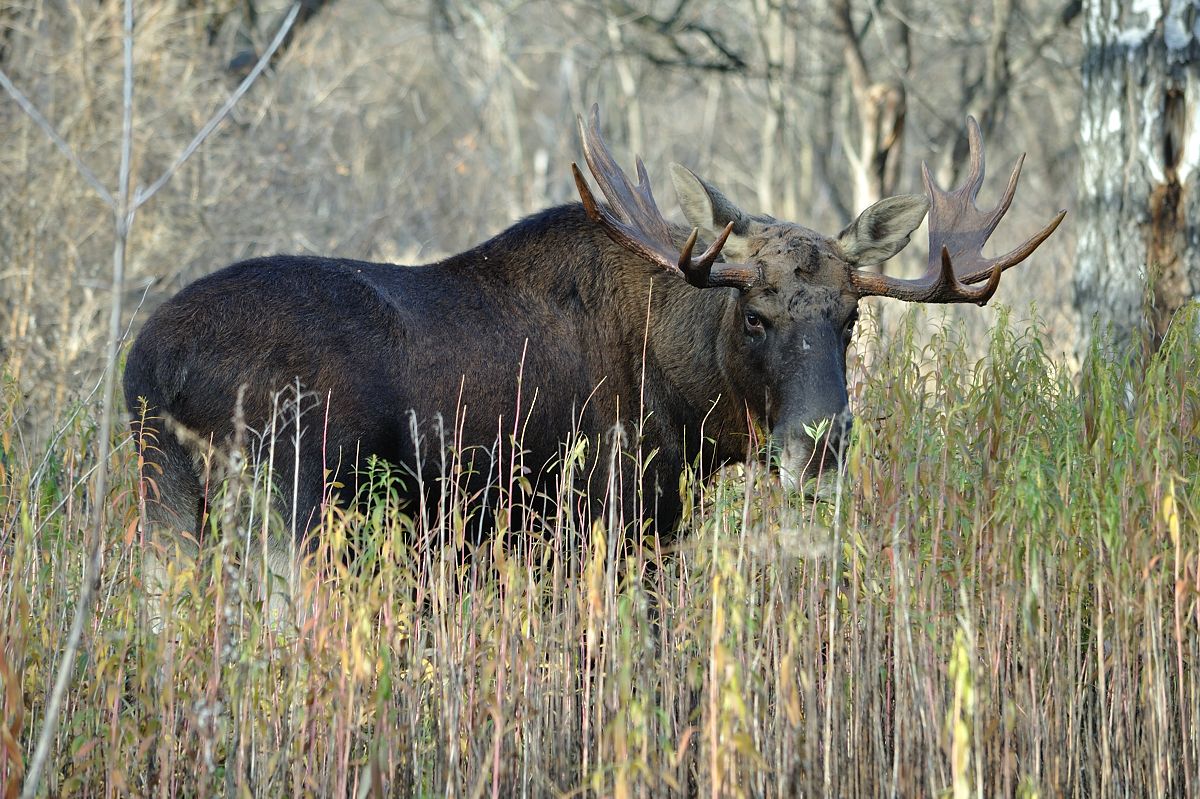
<point x="782" y="344"/>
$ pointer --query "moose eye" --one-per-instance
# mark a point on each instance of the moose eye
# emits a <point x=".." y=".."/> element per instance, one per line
<point x="754" y="324"/>
<point x="848" y="330"/>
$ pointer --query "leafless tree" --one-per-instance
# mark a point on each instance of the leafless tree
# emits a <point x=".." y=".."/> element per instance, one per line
<point x="124" y="204"/>
<point x="880" y="102"/>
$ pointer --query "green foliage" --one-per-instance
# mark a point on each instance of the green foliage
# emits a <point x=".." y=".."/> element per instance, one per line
<point x="1005" y="600"/>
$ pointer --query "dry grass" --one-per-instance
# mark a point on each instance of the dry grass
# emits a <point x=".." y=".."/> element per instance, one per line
<point x="1005" y="601"/>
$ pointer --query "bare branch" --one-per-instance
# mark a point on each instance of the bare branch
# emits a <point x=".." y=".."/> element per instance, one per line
<point x="141" y="196"/>
<point x="95" y="548"/>
<point x="1050" y="29"/>
<point x="668" y="29"/>
<point x="84" y="170"/>
<point x="856" y="62"/>
<point x="123" y="212"/>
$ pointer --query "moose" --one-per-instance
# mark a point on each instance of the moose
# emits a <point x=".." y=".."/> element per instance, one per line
<point x="592" y="318"/>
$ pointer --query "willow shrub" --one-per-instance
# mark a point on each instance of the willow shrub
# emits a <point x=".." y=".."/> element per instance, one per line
<point x="1003" y="599"/>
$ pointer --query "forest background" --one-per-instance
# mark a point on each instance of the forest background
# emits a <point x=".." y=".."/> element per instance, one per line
<point x="405" y="131"/>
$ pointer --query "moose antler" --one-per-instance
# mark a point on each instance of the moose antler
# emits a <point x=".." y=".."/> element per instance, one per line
<point x="957" y="232"/>
<point x="632" y="219"/>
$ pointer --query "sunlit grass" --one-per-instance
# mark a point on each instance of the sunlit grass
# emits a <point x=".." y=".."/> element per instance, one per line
<point x="1005" y="601"/>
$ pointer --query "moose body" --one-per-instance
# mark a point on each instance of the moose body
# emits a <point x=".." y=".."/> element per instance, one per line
<point x="538" y="332"/>
<point x="590" y="319"/>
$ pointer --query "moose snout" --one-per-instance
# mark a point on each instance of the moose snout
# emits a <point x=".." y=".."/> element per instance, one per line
<point x="814" y="449"/>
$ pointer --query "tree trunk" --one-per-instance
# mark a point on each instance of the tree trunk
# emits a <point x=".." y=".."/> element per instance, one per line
<point x="1138" y="256"/>
<point x="880" y="105"/>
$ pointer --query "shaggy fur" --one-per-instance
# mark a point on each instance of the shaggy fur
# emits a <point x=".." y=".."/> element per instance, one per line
<point x="539" y="331"/>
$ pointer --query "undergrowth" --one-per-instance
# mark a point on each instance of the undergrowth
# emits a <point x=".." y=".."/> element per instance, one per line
<point x="1004" y="600"/>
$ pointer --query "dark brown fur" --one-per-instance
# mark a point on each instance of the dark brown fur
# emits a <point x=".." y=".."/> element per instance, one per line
<point x="550" y="311"/>
<point x="550" y="304"/>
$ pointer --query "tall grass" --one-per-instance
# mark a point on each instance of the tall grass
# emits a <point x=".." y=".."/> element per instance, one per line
<point x="1005" y="600"/>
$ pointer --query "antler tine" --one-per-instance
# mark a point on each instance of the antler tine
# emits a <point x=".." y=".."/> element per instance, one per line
<point x="709" y="256"/>
<point x="977" y="168"/>
<point x="632" y="218"/>
<point x="685" y="255"/>
<point x="633" y="204"/>
<point x="1010" y="191"/>
<point x="958" y="230"/>
<point x="590" y="206"/>
<point x="1019" y="253"/>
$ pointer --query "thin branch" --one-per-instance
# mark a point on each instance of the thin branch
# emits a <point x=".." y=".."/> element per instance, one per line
<point x="856" y="62"/>
<point x="143" y="195"/>
<point x="1050" y="29"/>
<point x="59" y="141"/>
<point x="122" y="220"/>
<point x="91" y="569"/>
<point x="123" y="211"/>
<point x="667" y="30"/>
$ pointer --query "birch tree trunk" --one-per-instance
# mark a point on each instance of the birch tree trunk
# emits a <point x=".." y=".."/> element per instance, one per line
<point x="1138" y="257"/>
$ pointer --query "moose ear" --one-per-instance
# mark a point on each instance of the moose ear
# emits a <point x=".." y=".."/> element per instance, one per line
<point x="710" y="210"/>
<point x="882" y="230"/>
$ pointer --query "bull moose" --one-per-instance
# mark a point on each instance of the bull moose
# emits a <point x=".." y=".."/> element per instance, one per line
<point x="584" y="318"/>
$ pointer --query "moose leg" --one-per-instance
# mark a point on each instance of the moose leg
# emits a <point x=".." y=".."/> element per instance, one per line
<point x="173" y="498"/>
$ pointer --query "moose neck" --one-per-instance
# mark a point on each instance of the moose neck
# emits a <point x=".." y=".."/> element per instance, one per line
<point x="687" y="329"/>
<point x="560" y="258"/>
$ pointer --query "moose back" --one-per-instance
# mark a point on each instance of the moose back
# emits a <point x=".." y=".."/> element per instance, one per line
<point x="593" y="320"/>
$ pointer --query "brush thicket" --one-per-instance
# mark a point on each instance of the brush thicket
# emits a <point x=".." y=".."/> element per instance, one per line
<point x="1004" y="599"/>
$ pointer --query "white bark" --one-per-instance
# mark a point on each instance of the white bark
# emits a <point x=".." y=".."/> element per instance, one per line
<point x="1139" y="242"/>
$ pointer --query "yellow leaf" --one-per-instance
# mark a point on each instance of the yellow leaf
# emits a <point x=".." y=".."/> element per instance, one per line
<point x="791" y="694"/>
<point x="1170" y="513"/>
